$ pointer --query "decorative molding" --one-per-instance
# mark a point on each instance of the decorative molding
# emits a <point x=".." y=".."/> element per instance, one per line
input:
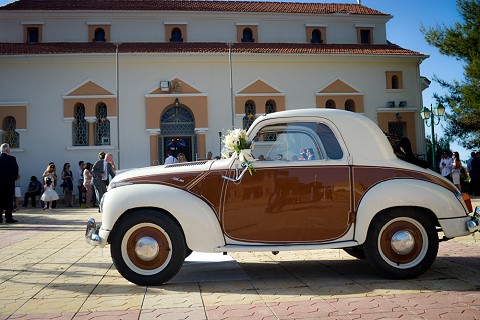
<point x="174" y="23"/>
<point x="15" y="104"/>
<point x="201" y="130"/>
<point x="246" y="23"/>
<point x="104" y="96"/>
<point x="153" y="132"/>
<point x="99" y="23"/>
<point x="175" y="95"/>
<point x="87" y="148"/>
<point x="315" y="25"/>
<point x="32" y="22"/>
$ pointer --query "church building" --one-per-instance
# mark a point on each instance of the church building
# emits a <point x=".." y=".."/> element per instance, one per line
<point x="136" y="78"/>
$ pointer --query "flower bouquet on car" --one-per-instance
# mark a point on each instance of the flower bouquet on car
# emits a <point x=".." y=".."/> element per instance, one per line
<point x="236" y="141"/>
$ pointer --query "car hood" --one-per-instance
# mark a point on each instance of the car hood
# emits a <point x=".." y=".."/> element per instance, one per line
<point x="179" y="175"/>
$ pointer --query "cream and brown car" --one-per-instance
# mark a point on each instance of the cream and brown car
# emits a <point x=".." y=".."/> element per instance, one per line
<point x="354" y="194"/>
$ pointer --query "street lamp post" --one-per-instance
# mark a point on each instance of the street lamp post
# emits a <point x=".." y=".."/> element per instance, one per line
<point x="434" y="114"/>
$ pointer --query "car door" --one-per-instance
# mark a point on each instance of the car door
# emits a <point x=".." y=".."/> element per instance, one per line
<point x="288" y="199"/>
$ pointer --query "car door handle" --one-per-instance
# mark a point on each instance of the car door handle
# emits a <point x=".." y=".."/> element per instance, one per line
<point x="238" y="177"/>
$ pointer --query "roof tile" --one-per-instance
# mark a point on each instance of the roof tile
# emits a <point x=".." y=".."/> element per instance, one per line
<point x="202" y="47"/>
<point x="192" y="5"/>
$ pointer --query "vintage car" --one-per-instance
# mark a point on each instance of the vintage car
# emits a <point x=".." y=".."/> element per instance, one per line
<point x="353" y="194"/>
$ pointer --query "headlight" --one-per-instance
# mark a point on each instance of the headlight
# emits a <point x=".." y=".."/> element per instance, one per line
<point x="116" y="184"/>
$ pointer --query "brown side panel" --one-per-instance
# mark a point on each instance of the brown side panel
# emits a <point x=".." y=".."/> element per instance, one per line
<point x="289" y="204"/>
<point x="210" y="189"/>
<point x="366" y="177"/>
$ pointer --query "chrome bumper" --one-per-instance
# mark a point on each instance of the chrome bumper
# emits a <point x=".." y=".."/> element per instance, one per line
<point x="91" y="233"/>
<point x="473" y="224"/>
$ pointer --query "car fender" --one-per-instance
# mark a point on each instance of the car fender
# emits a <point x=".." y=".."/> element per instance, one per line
<point x="406" y="193"/>
<point x="196" y="218"/>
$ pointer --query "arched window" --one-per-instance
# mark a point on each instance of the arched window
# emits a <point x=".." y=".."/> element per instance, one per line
<point x="250" y="111"/>
<point x="247" y="35"/>
<point x="176" y="35"/>
<point x="330" y="104"/>
<point x="11" y="136"/>
<point x="80" y="126"/>
<point x="100" y="35"/>
<point x="350" y="105"/>
<point x="395" y="82"/>
<point x="270" y="106"/>
<point x="102" y="125"/>
<point x="316" y="36"/>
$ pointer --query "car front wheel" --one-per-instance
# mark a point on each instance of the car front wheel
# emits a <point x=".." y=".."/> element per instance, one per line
<point x="148" y="248"/>
<point x="401" y="243"/>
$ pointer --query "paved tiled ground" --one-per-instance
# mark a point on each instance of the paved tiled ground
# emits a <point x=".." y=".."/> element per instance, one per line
<point x="47" y="271"/>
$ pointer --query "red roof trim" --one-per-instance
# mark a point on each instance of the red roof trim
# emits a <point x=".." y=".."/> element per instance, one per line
<point x="192" y="5"/>
<point x="202" y="47"/>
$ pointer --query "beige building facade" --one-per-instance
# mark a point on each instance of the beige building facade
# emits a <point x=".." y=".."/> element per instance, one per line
<point x="139" y="78"/>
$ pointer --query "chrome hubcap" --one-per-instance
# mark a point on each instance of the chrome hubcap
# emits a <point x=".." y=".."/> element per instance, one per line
<point x="403" y="242"/>
<point x="147" y="248"/>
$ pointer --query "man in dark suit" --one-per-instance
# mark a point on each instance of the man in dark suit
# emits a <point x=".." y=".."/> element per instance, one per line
<point x="8" y="175"/>
<point x="101" y="171"/>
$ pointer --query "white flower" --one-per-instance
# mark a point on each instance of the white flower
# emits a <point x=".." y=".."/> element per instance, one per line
<point x="236" y="142"/>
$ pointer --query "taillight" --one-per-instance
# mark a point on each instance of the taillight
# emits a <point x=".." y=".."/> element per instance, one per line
<point x="468" y="202"/>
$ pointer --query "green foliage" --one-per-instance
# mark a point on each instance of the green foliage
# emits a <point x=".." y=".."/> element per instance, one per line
<point x="462" y="41"/>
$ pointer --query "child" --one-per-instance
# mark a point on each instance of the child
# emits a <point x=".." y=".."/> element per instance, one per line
<point x="18" y="194"/>
<point x="49" y="195"/>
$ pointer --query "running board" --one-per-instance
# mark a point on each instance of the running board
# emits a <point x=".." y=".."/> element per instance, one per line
<point x="292" y="247"/>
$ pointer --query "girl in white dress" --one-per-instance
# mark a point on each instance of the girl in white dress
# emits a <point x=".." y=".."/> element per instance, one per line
<point x="49" y="194"/>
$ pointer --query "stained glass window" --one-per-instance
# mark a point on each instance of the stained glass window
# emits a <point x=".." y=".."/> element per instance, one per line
<point x="270" y="106"/>
<point x="350" y="105"/>
<point x="100" y="35"/>
<point x="330" y="104"/>
<point x="102" y="126"/>
<point x="316" y="36"/>
<point x="11" y="136"/>
<point x="177" y="121"/>
<point x="247" y="35"/>
<point x="80" y="126"/>
<point x="176" y="35"/>
<point x="250" y="111"/>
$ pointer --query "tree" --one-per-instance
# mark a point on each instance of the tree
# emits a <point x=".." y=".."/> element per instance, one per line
<point x="461" y="41"/>
<point x="441" y="145"/>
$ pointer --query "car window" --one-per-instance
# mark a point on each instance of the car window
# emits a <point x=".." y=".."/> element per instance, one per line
<point x="296" y="141"/>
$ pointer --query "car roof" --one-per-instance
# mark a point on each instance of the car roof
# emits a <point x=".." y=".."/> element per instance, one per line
<point x="365" y="141"/>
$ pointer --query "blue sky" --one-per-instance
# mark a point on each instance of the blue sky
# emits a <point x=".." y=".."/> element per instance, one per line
<point x="404" y="30"/>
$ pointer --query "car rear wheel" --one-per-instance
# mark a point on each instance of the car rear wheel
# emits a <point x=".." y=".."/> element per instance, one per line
<point x="148" y="248"/>
<point x="401" y="243"/>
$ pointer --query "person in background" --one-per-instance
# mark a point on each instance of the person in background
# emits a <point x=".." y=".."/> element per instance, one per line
<point x="170" y="158"/>
<point x="303" y="154"/>
<point x="79" y="179"/>
<point x="456" y="168"/>
<point x="475" y="175"/>
<point x="49" y="195"/>
<point x="181" y="158"/>
<point x="18" y="194"/>
<point x="87" y="183"/>
<point x="51" y="172"/>
<point x="34" y="189"/>
<point x="101" y="171"/>
<point x="209" y="155"/>
<point x="67" y="184"/>
<point x="446" y="164"/>
<point x="310" y="154"/>
<point x="8" y="176"/>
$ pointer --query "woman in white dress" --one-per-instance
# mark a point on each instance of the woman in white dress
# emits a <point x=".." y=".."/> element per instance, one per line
<point x="49" y="194"/>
